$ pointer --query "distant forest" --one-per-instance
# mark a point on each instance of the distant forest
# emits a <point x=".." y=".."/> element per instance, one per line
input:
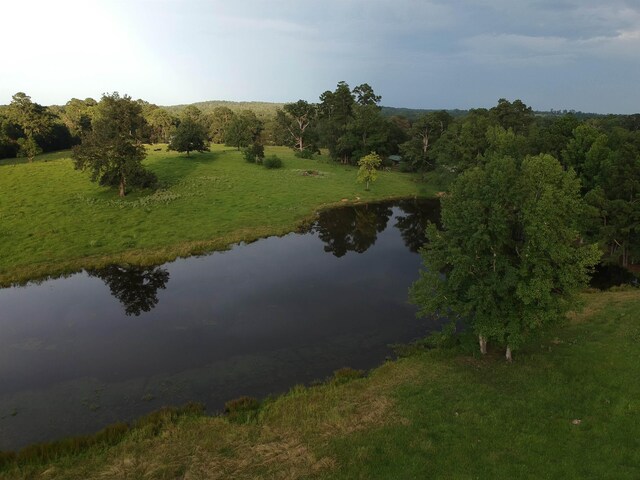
<point x="349" y="123"/>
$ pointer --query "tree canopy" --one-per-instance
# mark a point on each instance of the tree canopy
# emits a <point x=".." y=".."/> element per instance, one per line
<point x="111" y="151"/>
<point x="191" y="133"/>
<point x="509" y="259"/>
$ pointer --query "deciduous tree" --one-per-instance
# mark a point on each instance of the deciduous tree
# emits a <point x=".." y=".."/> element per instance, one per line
<point x="297" y="119"/>
<point x="368" y="171"/>
<point x="509" y="259"/>
<point x="112" y="151"/>
<point x="189" y="136"/>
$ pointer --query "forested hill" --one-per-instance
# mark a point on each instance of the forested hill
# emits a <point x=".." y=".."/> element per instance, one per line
<point x="261" y="109"/>
<point x="268" y="109"/>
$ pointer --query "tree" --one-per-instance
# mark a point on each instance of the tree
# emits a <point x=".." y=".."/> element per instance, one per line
<point x="464" y="142"/>
<point x="161" y="125"/>
<point x="296" y="118"/>
<point x="189" y="136"/>
<point x="29" y="148"/>
<point x="515" y="116"/>
<point x="243" y="130"/>
<point x="424" y="132"/>
<point x="9" y="133"/>
<point x="220" y="120"/>
<point x="34" y="120"/>
<point x="76" y="115"/>
<point x="368" y="168"/>
<point x="509" y="259"/>
<point x="615" y="219"/>
<point x="112" y="151"/>
<point x="335" y="111"/>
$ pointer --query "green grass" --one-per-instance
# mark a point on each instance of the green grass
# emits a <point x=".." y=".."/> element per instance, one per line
<point x="568" y="407"/>
<point x="54" y="220"/>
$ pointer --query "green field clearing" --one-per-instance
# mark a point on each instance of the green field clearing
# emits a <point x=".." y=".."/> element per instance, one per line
<point x="568" y="407"/>
<point x="54" y="220"/>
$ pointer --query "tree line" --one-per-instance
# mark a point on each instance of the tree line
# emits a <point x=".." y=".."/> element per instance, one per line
<point x="534" y="202"/>
<point x="349" y="124"/>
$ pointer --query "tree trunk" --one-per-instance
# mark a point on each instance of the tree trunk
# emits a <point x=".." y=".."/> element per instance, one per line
<point x="121" y="191"/>
<point x="367" y="186"/>
<point x="483" y="344"/>
<point x="508" y="354"/>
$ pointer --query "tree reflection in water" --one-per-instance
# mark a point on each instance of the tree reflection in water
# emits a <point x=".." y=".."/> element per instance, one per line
<point x="351" y="229"/>
<point x="355" y="229"/>
<point x="135" y="287"/>
<point x="413" y="223"/>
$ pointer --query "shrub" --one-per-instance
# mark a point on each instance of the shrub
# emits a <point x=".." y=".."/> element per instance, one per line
<point x="254" y="153"/>
<point x="272" y="162"/>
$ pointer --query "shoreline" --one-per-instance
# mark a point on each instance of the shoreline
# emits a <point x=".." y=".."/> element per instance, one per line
<point x="145" y="257"/>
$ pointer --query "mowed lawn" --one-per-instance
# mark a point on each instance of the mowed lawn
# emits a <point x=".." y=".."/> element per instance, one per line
<point x="53" y="219"/>
<point x="567" y="408"/>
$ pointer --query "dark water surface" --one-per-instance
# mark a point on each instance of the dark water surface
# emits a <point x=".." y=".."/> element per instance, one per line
<point x="98" y="347"/>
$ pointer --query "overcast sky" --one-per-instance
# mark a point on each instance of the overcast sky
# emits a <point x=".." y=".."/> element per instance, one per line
<point x="573" y="54"/>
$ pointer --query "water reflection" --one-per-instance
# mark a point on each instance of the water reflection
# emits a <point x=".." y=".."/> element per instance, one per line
<point x="351" y="229"/>
<point x="253" y="320"/>
<point x="413" y="220"/>
<point x="342" y="230"/>
<point x="135" y="287"/>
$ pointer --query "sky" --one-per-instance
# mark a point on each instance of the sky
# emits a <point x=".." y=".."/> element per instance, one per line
<point x="552" y="54"/>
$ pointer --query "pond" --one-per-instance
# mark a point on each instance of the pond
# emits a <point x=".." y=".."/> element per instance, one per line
<point x="102" y="346"/>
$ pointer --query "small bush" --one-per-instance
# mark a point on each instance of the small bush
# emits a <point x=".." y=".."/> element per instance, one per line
<point x="272" y="162"/>
<point x="242" y="409"/>
<point x="254" y="153"/>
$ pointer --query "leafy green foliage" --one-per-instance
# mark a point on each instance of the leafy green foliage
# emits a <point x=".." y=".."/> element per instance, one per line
<point x="424" y="133"/>
<point x="297" y="121"/>
<point x="219" y="121"/>
<point x="509" y="260"/>
<point x="272" y="162"/>
<point x="254" y="153"/>
<point x="189" y="136"/>
<point x="28" y="148"/>
<point x="243" y="129"/>
<point x="111" y="150"/>
<point x="368" y="171"/>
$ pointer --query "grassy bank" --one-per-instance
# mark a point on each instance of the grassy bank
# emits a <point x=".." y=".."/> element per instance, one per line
<point x="569" y="407"/>
<point x="53" y="220"/>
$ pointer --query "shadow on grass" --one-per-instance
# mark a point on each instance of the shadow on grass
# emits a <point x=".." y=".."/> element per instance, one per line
<point x="43" y="158"/>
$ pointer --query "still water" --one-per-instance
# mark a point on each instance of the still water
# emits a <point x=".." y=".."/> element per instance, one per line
<point x="109" y="345"/>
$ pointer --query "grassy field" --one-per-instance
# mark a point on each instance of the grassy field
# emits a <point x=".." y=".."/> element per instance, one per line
<point x="568" y="407"/>
<point x="54" y="220"/>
